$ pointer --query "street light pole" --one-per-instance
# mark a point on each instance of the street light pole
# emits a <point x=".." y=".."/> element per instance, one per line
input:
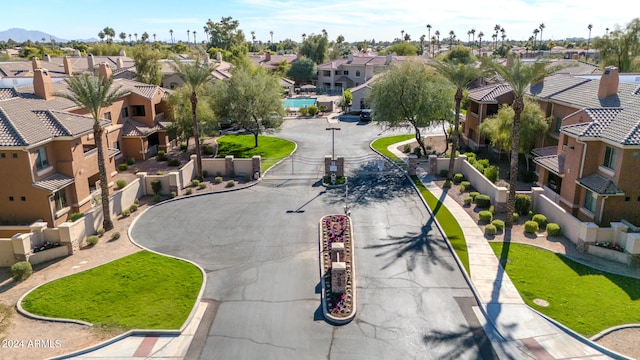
<point x="333" y="141"/>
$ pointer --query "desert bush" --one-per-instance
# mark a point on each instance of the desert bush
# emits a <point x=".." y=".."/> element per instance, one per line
<point x="444" y="173"/>
<point x="473" y="194"/>
<point x="499" y="224"/>
<point x="530" y="227"/>
<point x="115" y="236"/>
<point x="484" y="162"/>
<point x="470" y="156"/>
<point x="123" y="167"/>
<point x="173" y="194"/>
<point x="322" y="108"/>
<point x="540" y="219"/>
<point x="447" y="184"/>
<point x="230" y="183"/>
<point x="553" y="229"/>
<point x="303" y="111"/>
<point x="468" y="200"/>
<point x="478" y="167"/>
<point x="133" y="208"/>
<point x="156" y="186"/>
<point x="463" y="188"/>
<point x="125" y="213"/>
<point x="157" y="198"/>
<point x="516" y="216"/>
<point x="92" y="240"/>
<point x="202" y="185"/>
<point x="131" y="161"/>
<point x="101" y="232"/>
<point x="492" y="209"/>
<point x="485" y="216"/>
<point x="313" y="110"/>
<point x="173" y="162"/>
<point x="218" y="180"/>
<point x="531" y="214"/>
<point x="162" y="156"/>
<point x="523" y="203"/>
<point x="406" y="149"/>
<point x="417" y="151"/>
<point x="490" y="230"/>
<point x="482" y="201"/>
<point x="457" y="178"/>
<point x="467" y="184"/>
<point x="75" y="216"/>
<point x="195" y="182"/>
<point x="21" y="271"/>
<point x="189" y="191"/>
<point x="121" y="184"/>
<point x="491" y="173"/>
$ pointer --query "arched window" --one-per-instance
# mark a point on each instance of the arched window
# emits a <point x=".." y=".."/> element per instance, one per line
<point x="357" y="73"/>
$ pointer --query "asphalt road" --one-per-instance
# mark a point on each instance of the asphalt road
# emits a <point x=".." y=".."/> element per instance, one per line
<point x="259" y="247"/>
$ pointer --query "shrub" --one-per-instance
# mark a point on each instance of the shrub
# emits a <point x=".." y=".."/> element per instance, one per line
<point x="490" y="230"/>
<point x="162" y="156"/>
<point x="482" y="201"/>
<point x="444" y="173"/>
<point x="204" y="173"/>
<point x="76" y="216"/>
<point x="115" y="236"/>
<point x="21" y="271"/>
<point x="173" y="162"/>
<point x="189" y="191"/>
<point x="133" y="208"/>
<point x="553" y="229"/>
<point x="313" y="110"/>
<point x="470" y="155"/>
<point x="530" y="227"/>
<point x="473" y="195"/>
<point x="447" y="184"/>
<point x="125" y="213"/>
<point x="183" y="146"/>
<point x="101" y="232"/>
<point x="406" y="149"/>
<point x="157" y="198"/>
<point x="123" y="167"/>
<point x="484" y="162"/>
<point x="173" y="194"/>
<point x="540" y="219"/>
<point x="322" y="108"/>
<point x="492" y="209"/>
<point x="448" y="155"/>
<point x="479" y="167"/>
<point x="417" y="151"/>
<point x="523" y="203"/>
<point x="531" y="214"/>
<point x="156" y="186"/>
<point x="457" y="178"/>
<point x="195" y="182"/>
<point x="121" y="184"/>
<point x="207" y="149"/>
<point x="491" y="173"/>
<point x="499" y="224"/>
<point x="202" y="185"/>
<point x="131" y="161"/>
<point x="230" y="183"/>
<point x="485" y="216"/>
<point x="515" y="217"/>
<point x="468" y="200"/>
<point x="218" y="180"/>
<point x="463" y="188"/>
<point x="92" y="240"/>
<point x="466" y="184"/>
<point x="303" y="111"/>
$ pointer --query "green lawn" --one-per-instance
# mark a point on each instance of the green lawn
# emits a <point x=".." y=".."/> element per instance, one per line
<point x="382" y="144"/>
<point x="141" y="291"/>
<point x="449" y="224"/>
<point x="582" y="298"/>
<point x="271" y="149"/>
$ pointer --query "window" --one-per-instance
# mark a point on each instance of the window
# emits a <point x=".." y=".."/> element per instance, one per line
<point x="23" y="198"/>
<point x="357" y="73"/>
<point x="107" y="115"/>
<point x="125" y="112"/>
<point x="41" y="158"/>
<point x="10" y="198"/>
<point x="346" y="72"/>
<point x="14" y="155"/>
<point x="610" y="155"/>
<point x="558" y="124"/>
<point x="137" y="110"/>
<point x="116" y="145"/>
<point x="60" y="198"/>
<point x="590" y="201"/>
<point x="3" y="155"/>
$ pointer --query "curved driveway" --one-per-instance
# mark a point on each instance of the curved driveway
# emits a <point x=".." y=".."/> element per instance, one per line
<point x="259" y="247"/>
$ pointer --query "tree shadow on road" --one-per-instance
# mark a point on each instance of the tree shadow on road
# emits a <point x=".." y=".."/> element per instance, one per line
<point x="413" y="246"/>
<point x="461" y="342"/>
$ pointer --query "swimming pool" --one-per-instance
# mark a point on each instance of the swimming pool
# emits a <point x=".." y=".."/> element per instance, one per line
<point x="296" y="103"/>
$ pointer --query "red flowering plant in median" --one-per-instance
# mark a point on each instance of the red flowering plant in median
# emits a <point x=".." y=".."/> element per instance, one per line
<point x="336" y="229"/>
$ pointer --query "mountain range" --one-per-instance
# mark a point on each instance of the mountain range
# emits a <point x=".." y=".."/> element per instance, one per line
<point x="21" y="35"/>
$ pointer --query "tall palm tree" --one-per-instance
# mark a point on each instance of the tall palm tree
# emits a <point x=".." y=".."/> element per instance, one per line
<point x="271" y="33"/>
<point x="541" y="27"/>
<point x="469" y="37"/>
<point x="496" y="29"/>
<point x="437" y="34"/>
<point x="401" y="35"/>
<point x="123" y="36"/>
<point x="535" y="36"/>
<point x="480" y="36"/>
<point x="429" y="34"/>
<point x="129" y="37"/>
<point x="171" y="33"/>
<point x="519" y="76"/>
<point x="473" y="35"/>
<point x="422" y="37"/>
<point x="589" y="41"/>
<point x="194" y="37"/>
<point x="304" y="37"/>
<point x="94" y="93"/>
<point x="188" y="36"/>
<point x="154" y="37"/>
<point x="452" y="35"/>
<point x="459" y="75"/>
<point x="504" y="35"/>
<point x="194" y="75"/>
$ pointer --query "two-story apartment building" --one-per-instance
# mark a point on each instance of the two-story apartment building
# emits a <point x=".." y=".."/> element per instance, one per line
<point x="48" y="157"/>
<point x="592" y="169"/>
<point x="484" y="102"/>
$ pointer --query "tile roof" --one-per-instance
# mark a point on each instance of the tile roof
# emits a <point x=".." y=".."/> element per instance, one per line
<point x="600" y="185"/>
<point x="135" y="128"/>
<point x="555" y="163"/>
<point x="489" y="93"/>
<point x="144" y="90"/>
<point x="54" y="182"/>
<point x="555" y="84"/>
<point x="618" y="125"/>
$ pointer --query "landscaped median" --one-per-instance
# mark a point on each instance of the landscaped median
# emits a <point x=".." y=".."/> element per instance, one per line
<point x="337" y="269"/>
<point x="448" y="223"/>
<point x="144" y="290"/>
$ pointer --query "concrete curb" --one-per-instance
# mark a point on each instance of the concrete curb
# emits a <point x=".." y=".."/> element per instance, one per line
<point x="608" y="331"/>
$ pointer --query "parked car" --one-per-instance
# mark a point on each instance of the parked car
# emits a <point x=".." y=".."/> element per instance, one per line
<point x="365" y="115"/>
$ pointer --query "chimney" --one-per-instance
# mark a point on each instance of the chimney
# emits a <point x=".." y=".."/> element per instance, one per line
<point x="67" y="65"/>
<point x="267" y="56"/>
<point x="120" y="63"/>
<point x="76" y="52"/>
<point x="35" y="63"/>
<point x="123" y="53"/>
<point x="104" y="71"/>
<point x="42" y="84"/>
<point x="608" y="82"/>
<point x="47" y="58"/>
<point x="350" y="57"/>
<point x="90" y="63"/>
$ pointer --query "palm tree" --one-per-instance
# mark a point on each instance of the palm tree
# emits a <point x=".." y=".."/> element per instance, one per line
<point x="129" y="37"/>
<point x="123" y="36"/>
<point x="401" y="35"/>
<point x="535" y="36"/>
<point x="519" y="76"/>
<point x="606" y="31"/>
<point x="271" y="33"/>
<point x="473" y="35"/>
<point x="495" y="38"/>
<point x="541" y="27"/>
<point x="503" y="35"/>
<point x="171" y="33"/>
<point x="136" y="35"/>
<point x="469" y="37"/>
<point x="589" y="41"/>
<point x="459" y="75"/>
<point x="429" y="33"/>
<point x="437" y="34"/>
<point x="194" y="75"/>
<point x="94" y="93"/>
<point x="188" y="33"/>
<point x="101" y="35"/>
<point x="194" y="37"/>
<point x="422" y="37"/>
<point x="452" y="35"/>
<point x="154" y="37"/>
<point x="480" y="36"/>
<point x="304" y="37"/>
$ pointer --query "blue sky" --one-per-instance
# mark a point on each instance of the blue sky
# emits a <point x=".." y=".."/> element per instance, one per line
<point x="355" y="20"/>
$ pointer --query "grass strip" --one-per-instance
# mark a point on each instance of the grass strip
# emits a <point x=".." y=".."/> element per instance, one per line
<point x="271" y="149"/>
<point x="382" y="144"/>
<point x="582" y="298"/>
<point x="140" y="291"/>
